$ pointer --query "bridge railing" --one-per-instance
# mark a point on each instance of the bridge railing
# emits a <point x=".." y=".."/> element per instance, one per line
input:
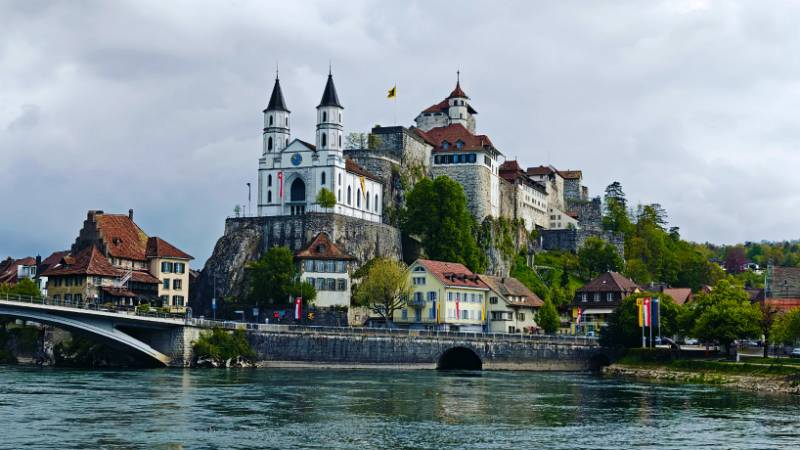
<point x="92" y="306"/>
<point x="361" y="331"/>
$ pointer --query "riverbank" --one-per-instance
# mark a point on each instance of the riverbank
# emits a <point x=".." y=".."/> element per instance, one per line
<point x="772" y="376"/>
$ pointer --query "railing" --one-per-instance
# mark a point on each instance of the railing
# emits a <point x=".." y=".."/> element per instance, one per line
<point x="91" y="306"/>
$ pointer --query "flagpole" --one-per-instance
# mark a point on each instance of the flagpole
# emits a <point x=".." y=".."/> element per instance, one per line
<point x="659" y="319"/>
<point x="650" y="317"/>
<point x="641" y="319"/>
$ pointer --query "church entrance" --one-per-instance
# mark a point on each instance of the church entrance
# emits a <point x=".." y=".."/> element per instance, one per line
<point x="297" y="197"/>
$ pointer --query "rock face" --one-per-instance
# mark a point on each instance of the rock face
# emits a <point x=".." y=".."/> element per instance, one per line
<point x="247" y="239"/>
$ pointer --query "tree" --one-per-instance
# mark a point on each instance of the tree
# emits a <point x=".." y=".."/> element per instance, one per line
<point x="597" y="256"/>
<point x="326" y="198"/>
<point x="769" y="314"/>
<point x="385" y="288"/>
<point x="356" y="141"/>
<point x="222" y="347"/>
<point x="272" y="277"/>
<point x="723" y="315"/>
<point x="623" y="324"/>
<point x="786" y="328"/>
<point x="548" y="317"/>
<point x="735" y="258"/>
<point x="26" y="287"/>
<point x="564" y="280"/>
<point x="436" y="211"/>
<point x="304" y="290"/>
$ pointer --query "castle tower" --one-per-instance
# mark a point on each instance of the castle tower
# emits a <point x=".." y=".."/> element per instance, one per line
<point x="276" y="121"/>
<point x="329" y="119"/>
<point x="458" y="110"/>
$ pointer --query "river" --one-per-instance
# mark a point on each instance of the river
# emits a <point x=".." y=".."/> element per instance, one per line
<point x="318" y="408"/>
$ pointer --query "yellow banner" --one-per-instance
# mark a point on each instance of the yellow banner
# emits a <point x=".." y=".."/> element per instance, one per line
<point x="363" y="187"/>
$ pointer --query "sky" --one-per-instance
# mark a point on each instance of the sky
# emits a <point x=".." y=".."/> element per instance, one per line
<point x="156" y="106"/>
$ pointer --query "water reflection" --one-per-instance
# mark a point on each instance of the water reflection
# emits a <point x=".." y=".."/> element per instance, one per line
<point x="396" y="409"/>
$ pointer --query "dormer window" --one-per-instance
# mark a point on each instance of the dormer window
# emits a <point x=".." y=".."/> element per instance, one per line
<point x="460" y="144"/>
<point x="445" y="145"/>
<point x="321" y="248"/>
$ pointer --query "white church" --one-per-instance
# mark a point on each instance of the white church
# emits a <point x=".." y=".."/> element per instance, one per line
<point x="291" y="173"/>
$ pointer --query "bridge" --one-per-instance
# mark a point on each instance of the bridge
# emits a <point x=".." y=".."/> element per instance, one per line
<point x="167" y="339"/>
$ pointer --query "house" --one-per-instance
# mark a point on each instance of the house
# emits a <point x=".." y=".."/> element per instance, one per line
<point x="114" y="260"/>
<point x="43" y="265"/>
<point x="681" y="296"/>
<point x="445" y="296"/>
<point x="598" y="298"/>
<point x="12" y="270"/>
<point x="782" y="288"/>
<point x="326" y="267"/>
<point x="511" y="307"/>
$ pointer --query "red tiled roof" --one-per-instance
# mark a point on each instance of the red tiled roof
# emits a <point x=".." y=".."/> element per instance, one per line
<point x="55" y="258"/>
<point x="8" y="268"/>
<point x="507" y="286"/>
<point x="571" y="174"/>
<point x="783" y="304"/>
<point x="321" y="247"/>
<point x="610" y="282"/>
<point x="452" y="274"/>
<point x="353" y="167"/>
<point x="157" y="247"/>
<point x="541" y="170"/>
<point x="454" y="133"/>
<point x="118" y="292"/>
<point x="140" y="276"/>
<point x="89" y="261"/>
<point x="680" y="295"/>
<point x="443" y="107"/>
<point x="122" y="237"/>
<point x="457" y="92"/>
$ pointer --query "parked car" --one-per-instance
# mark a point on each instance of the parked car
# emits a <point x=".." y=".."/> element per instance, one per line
<point x="795" y="353"/>
<point x="692" y="341"/>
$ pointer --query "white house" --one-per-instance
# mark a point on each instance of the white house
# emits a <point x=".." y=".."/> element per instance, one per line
<point x="327" y="267"/>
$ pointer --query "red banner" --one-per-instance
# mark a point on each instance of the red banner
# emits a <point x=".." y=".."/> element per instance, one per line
<point x="298" y="308"/>
<point x="280" y="181"/>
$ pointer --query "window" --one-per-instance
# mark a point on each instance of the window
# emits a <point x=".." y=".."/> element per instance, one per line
<point x="341" y="284"/>
<point x="309" y="263"/>
<point x="177" y="300"/>
<point x="464" y="314"/>
<point x="404" y="313"/>
<point x="165" y="283"/>
<point x="340" y="117"/>
<point x="180" y="267"/>
<point x="341" y="267"/>
<point x="584" y="297"/>
<point x="310" y="280"/>
<point x="367" y="197"/>
<point x="78" y="298"/>
<point x="269" y="196"/>
<point x="419" y="281"/>
<point x="330" y="266"/>
<point x="340" y="179"/>
<point x="376" y="203"/>
<point x="339" y="196"/>
<point x="324" y="140"/>
<point x="320" y="286"/>
<point x="269" y="144"/>
<point x="177" y="284"/>
<point x="340" y="136"/>
<point x="57" y="297"/>
<point x="287" y="124"/>
<point x="493" y="300"/>
<point x="331" y="284"/>
<point x="270" y="119"/>
<point x="432" y="296"/>
<point x="166" y="267"/>
<point x="322" y="181"/>
<point x="358" y="198"/>
<point x="319" y="266"/>
<point x="97" y="281"/>
<point x="449" y="296"/>
<point x="324" y="116"/>
<point x="164" y="299"/>
<point x="609" y="297"/>
<point x="521" y="317"/>
<point x="349" y="195"/>
<point x="418" y="297"/>
<point x="68" y="298"/>
<point x="269" y="180"/>
<point x="432" y="312"/>
<point x="597" y="296"/>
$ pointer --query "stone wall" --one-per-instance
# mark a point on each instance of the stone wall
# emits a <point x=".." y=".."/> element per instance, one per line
<point x="476" y="179"/>
<point x="419" y="350"/>
<point x="248" y="238"/>
<point x="571" y="240"/>
<point x="590" y="213"/>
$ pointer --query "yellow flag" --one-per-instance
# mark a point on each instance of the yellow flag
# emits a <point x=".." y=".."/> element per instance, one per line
<point x="392" y="92"/>
<point x="363" y="187"/>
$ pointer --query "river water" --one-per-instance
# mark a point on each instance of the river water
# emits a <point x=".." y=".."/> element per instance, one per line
<point x="318" y="408"/>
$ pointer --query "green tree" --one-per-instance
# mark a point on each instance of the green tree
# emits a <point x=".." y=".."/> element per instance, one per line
<point x="564" y="280"/>
<point x="436" y="211"/>
<point x="723" y="315"/>
<point x="26" y="287"/>
<point x="222" y="346"/>
<point x="786" y="328"/>
<point x="623" y="324"/>
<point x="272" y="277"/>
<point x="548" y="317"/>
<point x="597" y="256"/>
<point x="384" y="289"/>
<point x="304" y="290"/>
<point x="325" y="198"/>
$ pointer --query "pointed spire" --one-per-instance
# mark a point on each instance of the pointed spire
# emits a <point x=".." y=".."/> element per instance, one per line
<point x="329" y="97"/>
<point x="276" y="101"/>
<point x="457" y="92"/>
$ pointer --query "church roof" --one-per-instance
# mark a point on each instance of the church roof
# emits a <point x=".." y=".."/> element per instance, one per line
<point x="276" y="101"/>
<point x="329" y="97"/>
<point x="452" y="134"/>
<point x="457" y="92"/>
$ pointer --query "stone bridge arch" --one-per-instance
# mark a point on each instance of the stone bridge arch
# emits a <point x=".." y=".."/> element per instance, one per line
<point x="459" y="358"/>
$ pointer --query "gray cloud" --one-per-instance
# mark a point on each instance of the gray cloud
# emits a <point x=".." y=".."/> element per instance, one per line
<point x="156" y="106"/>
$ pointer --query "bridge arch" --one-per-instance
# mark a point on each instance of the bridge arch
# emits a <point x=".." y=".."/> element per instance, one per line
<point x="97" y="328"/>
<point x="459" y="358"/>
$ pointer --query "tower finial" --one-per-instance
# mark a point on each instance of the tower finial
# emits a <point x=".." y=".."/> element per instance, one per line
<point x="330" y="66"/>
<point x="458" y="76"/>
<point x="276" y="70"/>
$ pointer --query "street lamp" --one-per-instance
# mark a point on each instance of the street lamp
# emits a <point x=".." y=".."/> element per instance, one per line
<point x="249" y="203"/>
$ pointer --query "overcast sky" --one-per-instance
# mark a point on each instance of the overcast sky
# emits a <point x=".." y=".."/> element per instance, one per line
<point x="156" y="106"/>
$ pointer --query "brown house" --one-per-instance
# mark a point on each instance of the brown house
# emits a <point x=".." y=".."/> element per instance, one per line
<point x="599" y="297"/>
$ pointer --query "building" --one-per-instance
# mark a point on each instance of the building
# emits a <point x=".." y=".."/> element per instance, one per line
<point x="598" y="298"/>
<point x="12" y="270"/>
<point x="552" y="180"/>
<point x="511" y="306"/>
<point x="680" y="296"/>
<point x="45" y="264"/>
<point x="292" y="173"/>
<point x="574" y="190"/>
<point x="328" y="268"/>
<point x="459" y="153"/>
<point x="113" y="260"/>
<point x="529" y="198"/>
<point x="445" y="296"/>
<point x="782" y="288"/>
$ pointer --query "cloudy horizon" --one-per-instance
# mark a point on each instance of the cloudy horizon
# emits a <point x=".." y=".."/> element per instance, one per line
<point x="157" y="106"/>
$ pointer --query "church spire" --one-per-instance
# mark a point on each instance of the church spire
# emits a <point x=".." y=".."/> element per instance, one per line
<point x="457" y="92"/>
<point x="276" y="101"/>
<point x="329" y="96"/>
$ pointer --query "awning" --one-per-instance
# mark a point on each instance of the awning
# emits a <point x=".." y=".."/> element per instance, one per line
<point x="597" y="311"/>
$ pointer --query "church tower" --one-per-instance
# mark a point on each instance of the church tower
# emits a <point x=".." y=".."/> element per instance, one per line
<point x="329" y="119"/>
<point x="276" y="121"/>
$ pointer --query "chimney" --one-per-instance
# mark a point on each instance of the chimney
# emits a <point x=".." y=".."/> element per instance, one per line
<point x="130" y="213"/>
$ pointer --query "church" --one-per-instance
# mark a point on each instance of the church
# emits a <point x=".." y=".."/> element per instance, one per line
<point x="293" y="172"/>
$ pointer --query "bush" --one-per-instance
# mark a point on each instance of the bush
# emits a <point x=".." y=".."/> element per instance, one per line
<point x="221" y="346"/>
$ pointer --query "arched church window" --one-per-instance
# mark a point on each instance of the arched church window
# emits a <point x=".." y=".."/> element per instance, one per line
<point x="297" y="193"/>
<point x="323" y="179"/>
<point x="340" y="179"/>
<point x="270" y="119"/>
<point x="340" y="140"/>
<point x="339" y="196"/>
<point x="269" y="144"/>
<point x="269" y="180"/>
<point x="340" y="117"/>
<point x="324" y="140"/>
<point x="324" y="116"/>
<point x="269" y="196"/>
<point x="358" y="198"/>
<point x="367" y="204"/>
<point x="376" y="203"/>
<point x="349" y="196"/>
<point x="287" y="122"/>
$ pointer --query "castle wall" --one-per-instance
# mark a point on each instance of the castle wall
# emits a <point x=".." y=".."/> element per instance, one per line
<point x="571" y="239"/>
<point x="477" y="182"/>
